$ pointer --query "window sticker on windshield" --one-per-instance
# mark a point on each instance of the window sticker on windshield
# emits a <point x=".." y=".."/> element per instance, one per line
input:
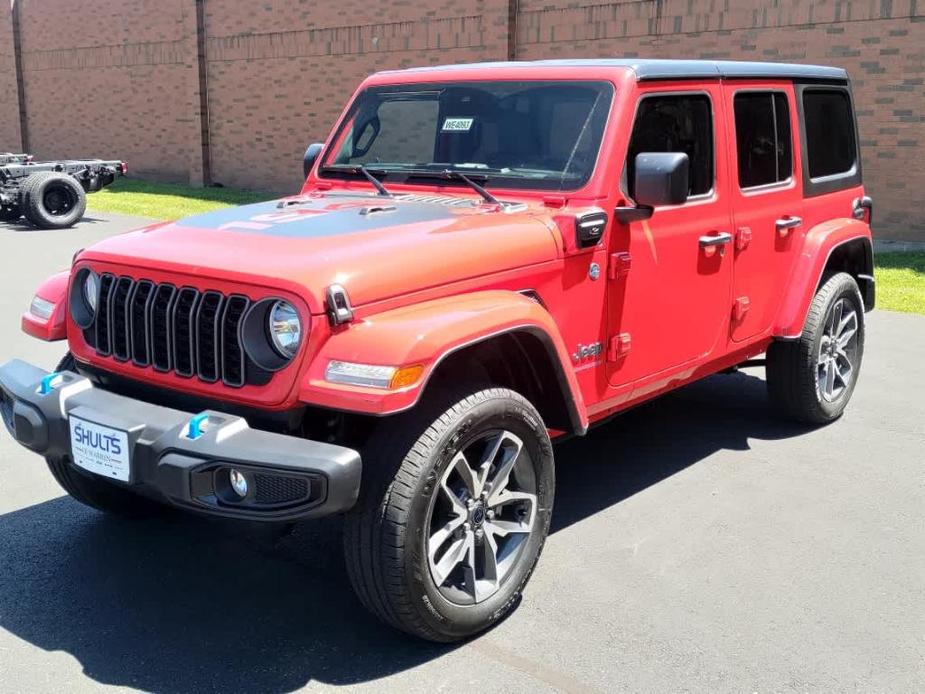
<point x="457" y="125"/>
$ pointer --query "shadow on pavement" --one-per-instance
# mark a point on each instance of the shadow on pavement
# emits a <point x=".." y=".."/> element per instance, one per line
<point x="187" y="604"/>
<point x="23" y="225"/>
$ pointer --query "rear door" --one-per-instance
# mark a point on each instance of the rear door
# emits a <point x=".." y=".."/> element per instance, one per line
<point x="767" y="200"/>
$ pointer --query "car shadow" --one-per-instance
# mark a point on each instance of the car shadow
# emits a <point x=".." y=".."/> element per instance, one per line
<point x="22" y="225"/>
<point x="187" y="604"/>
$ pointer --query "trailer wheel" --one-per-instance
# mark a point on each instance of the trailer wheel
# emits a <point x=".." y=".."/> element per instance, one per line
<point x="53" y="200"/>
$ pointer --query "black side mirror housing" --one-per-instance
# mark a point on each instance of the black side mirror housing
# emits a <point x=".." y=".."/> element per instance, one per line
<point x="311" y="156"/>
<point x="662" y="178"/>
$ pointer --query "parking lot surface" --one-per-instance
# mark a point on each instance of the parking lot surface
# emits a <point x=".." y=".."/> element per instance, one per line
<point x="698" y="545"/>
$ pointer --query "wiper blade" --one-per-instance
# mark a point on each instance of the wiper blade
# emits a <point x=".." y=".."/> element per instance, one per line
<point x="360" y="169"/>
<point x="452" y="174"/>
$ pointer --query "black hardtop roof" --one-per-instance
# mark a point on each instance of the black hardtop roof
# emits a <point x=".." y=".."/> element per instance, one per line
<point x="659" y="69"/>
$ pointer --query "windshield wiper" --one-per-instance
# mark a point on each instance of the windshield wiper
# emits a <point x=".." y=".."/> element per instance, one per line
<point x="360" y="169"/>
<point x="452" y="174"/>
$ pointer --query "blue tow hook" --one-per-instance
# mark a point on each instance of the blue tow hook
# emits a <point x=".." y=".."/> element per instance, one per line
<point x="49" y="382"/>
<point x="196" y="428"/>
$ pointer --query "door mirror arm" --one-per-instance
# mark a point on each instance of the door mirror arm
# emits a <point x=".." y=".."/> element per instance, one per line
<point x="625" y="215"/>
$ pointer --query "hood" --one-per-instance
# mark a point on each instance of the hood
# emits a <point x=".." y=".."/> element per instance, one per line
<point x="376" y="247"/>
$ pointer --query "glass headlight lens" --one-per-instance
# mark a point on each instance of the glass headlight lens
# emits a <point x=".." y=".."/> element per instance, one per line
<point x="91" y="290"/>
<point x="285" y="329"/>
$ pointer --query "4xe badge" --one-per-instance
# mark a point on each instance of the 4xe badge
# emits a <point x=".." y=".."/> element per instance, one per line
<point x="585" y="352"/>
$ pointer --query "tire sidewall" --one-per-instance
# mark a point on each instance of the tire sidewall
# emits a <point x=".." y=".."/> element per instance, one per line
<point x="34" y="199"/>
<point x="494" y="413"/>
<point x="845" y="288"/>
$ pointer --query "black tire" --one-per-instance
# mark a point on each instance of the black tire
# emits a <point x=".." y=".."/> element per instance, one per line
<point x="405" y="463"/>
<point x="10" y="214"/>
<point x="796" y="378"/>
<point x="97" y="492"/>
<point x="53" y="200"/>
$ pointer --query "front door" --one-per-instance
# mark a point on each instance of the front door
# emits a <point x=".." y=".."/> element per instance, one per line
<point x="767" y="200"/>
<point x="672" y="307"/>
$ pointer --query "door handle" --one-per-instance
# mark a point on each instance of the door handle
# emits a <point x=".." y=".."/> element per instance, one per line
<point x="720" y="239"/>
<point x="785" y="224"/>
<point x="715" y="242"/>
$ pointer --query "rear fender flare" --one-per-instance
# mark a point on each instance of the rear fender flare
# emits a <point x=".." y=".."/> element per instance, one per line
<point x="53" y="290"/>
<point x="427" y="334"/>
<point x="820" y="243"/>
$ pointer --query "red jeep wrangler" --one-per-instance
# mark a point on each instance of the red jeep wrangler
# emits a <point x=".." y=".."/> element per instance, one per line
<point x="482" y="258"/>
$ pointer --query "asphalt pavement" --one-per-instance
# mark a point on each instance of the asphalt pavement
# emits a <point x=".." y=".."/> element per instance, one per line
<point x="698" y="544"/>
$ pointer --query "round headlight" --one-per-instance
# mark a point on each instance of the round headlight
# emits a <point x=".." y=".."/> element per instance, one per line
<point x="91" y="290"/>
<point x="285" y="329"/>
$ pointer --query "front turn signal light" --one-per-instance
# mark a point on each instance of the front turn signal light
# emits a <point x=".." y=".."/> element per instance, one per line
<point x="406" y="376"/>
<point x="372" y="376"/>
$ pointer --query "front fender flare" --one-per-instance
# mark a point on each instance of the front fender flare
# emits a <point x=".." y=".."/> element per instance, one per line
<point x="820" y="242"/>
<point x="426" y="334"/>
<point x="54" y="290"/>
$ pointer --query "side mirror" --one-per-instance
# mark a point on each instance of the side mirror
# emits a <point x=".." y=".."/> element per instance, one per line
<point x="311" y="156"/>
<point x="662" y="178"/>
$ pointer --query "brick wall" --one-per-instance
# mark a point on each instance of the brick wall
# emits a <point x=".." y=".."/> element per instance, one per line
<point x="122" y="78"/>
<point x="10" y="138"/>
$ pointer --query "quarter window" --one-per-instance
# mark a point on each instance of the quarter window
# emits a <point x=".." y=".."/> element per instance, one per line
<point x="830" y="142"/>
<point x="675" y="123"/>
<point x="763" y="140"/>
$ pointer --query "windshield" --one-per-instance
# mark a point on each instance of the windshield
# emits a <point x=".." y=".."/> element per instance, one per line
<point x="524" y="134"/>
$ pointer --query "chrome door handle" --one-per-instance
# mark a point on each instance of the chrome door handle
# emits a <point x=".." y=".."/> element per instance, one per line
<point x="720" y="239"/>
<point x="785" y="224"/>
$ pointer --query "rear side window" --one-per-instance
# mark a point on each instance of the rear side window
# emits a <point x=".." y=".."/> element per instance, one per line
<point x="763" y="141"/>
<point x="675" y="123"/>
<point x="829" y="124"/>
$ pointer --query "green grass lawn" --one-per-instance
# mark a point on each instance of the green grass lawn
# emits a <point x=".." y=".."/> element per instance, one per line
<point x="900" y="276"/>
<point x="167" y="200"/>
<point x="901" y="281"/>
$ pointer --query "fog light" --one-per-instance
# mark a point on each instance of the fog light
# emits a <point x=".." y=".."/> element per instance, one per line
<point x="238" y="482"/>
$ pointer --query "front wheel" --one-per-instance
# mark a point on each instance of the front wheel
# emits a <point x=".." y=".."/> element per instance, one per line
<point x="812" y="379"/>
<point x="453" y="515"/>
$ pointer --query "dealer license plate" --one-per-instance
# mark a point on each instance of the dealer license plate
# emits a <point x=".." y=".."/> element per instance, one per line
<point x="100" y="449"/>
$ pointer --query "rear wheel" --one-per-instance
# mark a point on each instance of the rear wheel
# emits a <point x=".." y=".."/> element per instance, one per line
<point x="53" y="200"/>
<point x="812" y="379"/>
<point x="96" y="492"/>
<point x="453" y="514"/>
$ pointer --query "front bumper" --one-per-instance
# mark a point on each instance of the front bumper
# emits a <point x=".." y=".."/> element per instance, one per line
<point x="291" y="478"/>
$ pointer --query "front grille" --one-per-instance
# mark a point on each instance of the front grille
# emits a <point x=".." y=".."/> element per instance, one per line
<point x="179" y="330"/>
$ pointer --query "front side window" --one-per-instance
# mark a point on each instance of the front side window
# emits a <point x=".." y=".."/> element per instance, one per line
<point x="763" y="142"/>
<point x="675" y="123"/>
<point x="520" y="134"/>
<point x="830" y="142"/>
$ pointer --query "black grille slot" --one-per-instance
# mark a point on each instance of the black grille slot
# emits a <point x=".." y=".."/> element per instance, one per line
<point x="140" y="320"/>
<point x="103" y="343"/>
<point x="184" y="312"/>
<point x="161" y="351"/>
<point x="184" y="331"/>
<point x="274" y="489"/>
<point x="118" y="318"/>
<point x="232" y="353"/>
<point x="208" y="336"/>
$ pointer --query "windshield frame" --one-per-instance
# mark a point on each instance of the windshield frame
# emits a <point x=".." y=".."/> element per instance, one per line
<point x="327" y="170"/>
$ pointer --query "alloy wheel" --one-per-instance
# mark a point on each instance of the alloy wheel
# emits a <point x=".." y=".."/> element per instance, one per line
<point x="838" y="348"/>
<point x="481" y="516"/>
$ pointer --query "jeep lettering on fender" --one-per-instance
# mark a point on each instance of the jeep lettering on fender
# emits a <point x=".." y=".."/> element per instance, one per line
<point x="482" y="258"/>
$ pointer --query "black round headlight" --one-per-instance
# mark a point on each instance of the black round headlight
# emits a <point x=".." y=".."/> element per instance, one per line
<point x="285" y="329"/>
<point x="84" y="297"/>
<point x="272" y="333"/>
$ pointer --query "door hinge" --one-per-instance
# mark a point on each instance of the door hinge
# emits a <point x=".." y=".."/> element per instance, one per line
<point x="618" y="347"/>
<point x="743" y="238"/>
<point x="740" y="308"/>
<point x="619" y="265"/>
